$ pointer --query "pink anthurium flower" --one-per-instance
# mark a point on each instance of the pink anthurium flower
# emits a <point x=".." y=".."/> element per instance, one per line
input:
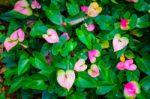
<point x="131" y="89"/>
<point x="92" y="54"/>
<point x="9" y="44"/>
<point x="22" y="6"/>
<point x="93" y="71"/>
<point x="120" y="66"/>
<point x="84" y="9"/>
<point x="90" y="27"/>
<point x="51" y="36"/>
<point x="65" y="79"/>
<point x="119" y="42"/>
<point x="129" y="65"/>
<point x="124" y="24"/>
<point x="132" y="1"/>
<point x="80" y="65"/>
<point x="35" y="5"/>
<point x="16" y="36"/>
<point x="65" y="34"/>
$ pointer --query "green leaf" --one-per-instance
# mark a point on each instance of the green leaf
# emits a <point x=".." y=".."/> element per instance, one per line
<point x="143" y="22"/>
<point x="85" y="81"/>
<point x="2" y="95"/>
<point x="84" y="37"/>
<point x="104" y="88"/>
<point x="68" y="47"/>
<point x="127" y="15"/>
<point x="133" y="21"/>
<point x="17" y="83"/>
<point x="57" y="47"/>
<point x="38" y="29"/>
<point x="145" y="83"/>
<point x="114" y="1"/>
<point x="14" y="25"/>
<point x="23" y="64"/>
<point x="141" y="5"/>
<point x="129" y="54"/>
<point x="72" y="8"/>
<point x="105" y="22"/>
<point x="53" y="15"/>
<point x="77" y="95"/>
<point x="2" y="27"/>
<point x="143" y="64"/>
<point x="8" y="16"/>
<point x="34" y="84"/>
<point x="133" y="75"/>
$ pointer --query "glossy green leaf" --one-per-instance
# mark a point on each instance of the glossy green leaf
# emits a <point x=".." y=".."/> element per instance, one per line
<point x="85" y="81"/>
<point x="23" y="64"/>
<point x="38" y="29"/>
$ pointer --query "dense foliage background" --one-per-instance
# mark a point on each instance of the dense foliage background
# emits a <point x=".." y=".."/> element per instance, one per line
<point x="32" y="65"/>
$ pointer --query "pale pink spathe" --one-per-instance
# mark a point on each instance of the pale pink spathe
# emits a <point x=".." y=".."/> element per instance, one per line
<point x="131" y="89"/>
<point x="9" y="44"/>
<point x="129" y="65"/>
<point x="16" y="36"/>
<point x="119" y="42"/>
<point x="51" y="36"/>
<point x="66" y="79"/>
<point x="65" y="34"/>
<point x="93" y="71"/>
<point x="35" y="5"/>
<point x="80" y="65"/>
<point x="22" y="7"/>
<point x="134" y="1"/>
<point x="120" y="66"/>
<point x="92" y="54"/>
<point x="90" y="27"/>
<point x="84" y="9"/>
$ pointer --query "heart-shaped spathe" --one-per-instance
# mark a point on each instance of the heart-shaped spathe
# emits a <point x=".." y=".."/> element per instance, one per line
<point x="66" y="79"/>
<point x="16" y="36"/>
<point x="51" y="36"/>
<point x="80" y="65"/>
<point x="92" y="54"/>
<point x="9" y="44"/>
<point x="22" y="6"/>
<point x="129" y="65"/>
<point x="119" y="42"/>
<point x="93" y="71"/>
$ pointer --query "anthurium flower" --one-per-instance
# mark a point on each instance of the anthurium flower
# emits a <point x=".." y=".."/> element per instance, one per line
<point x="12" y="41"/>
<point x="51" y="36"/>
<point x="94" y="9"/>
<point x="22" y="7"/>
<point x="120" y="66"/>
<point x="65" y="79"/>
<point x="131" y="89"/>
<point x="65" y="34"/>
<point x="92" y="54"/>
<point x="132" y="1"/>
<point x="35" y="5"/>
<point x="124" y="24"/>
<point x="129" y="65"/>
<point x="90" y="27"/>
<point x="80" y="65"/>
<point x="119" y="42"/>
<point x="93" y="71"/>
<point x="84" y="9"/>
